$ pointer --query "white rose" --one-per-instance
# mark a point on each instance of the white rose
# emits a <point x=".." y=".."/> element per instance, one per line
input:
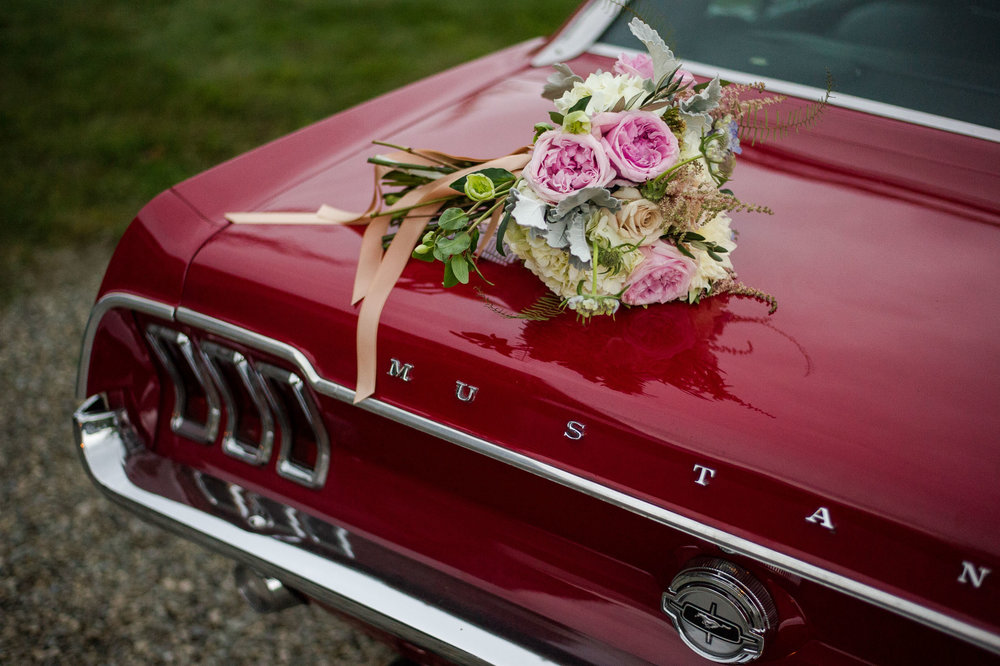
<point x="604" y="89"/>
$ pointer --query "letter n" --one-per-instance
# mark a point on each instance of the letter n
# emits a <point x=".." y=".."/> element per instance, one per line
<point x="973" y="574"/>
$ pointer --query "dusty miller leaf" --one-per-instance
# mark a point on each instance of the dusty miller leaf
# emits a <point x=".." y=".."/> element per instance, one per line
<point x="664" y="61"/>
<point x="561" y="81"/>
<point x="704" y="101"/>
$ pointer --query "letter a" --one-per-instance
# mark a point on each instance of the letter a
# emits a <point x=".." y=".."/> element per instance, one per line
<point x="821" y="517"/>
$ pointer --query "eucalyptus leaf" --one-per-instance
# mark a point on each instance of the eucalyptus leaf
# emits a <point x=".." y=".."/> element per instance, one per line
<point x="449" y="276"/>
<point x="453" y="219"/>
<point x="460" y="268"/>
<point x="450" y="246"/>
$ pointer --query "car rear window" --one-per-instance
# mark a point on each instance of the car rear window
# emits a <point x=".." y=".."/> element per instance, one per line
<point x="936" y="56"/>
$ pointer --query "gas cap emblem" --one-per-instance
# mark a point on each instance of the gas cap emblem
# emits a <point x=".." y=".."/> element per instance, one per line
<point x="721" y="611"/>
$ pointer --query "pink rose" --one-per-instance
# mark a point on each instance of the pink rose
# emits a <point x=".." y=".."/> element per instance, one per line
<point x="562" y="164"/>
<point x="664" y="275"/>
<point x="640" y="65"/>
<point x="639" y="144"/>
<point x="685" y="77"/>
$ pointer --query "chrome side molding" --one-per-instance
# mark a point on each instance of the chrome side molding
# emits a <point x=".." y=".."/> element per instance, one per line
<point x="103" y="433"/>
<point x="728" y="542"/>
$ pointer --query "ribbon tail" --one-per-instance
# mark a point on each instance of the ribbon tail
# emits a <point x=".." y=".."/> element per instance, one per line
<point x="388" y="272"/>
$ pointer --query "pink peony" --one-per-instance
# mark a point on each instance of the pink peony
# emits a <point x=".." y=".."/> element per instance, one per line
<point x="664" y="275"/>
<point x="639" y="144"/>
<point x="562" y="164"/>
<point x="640" y="65"/>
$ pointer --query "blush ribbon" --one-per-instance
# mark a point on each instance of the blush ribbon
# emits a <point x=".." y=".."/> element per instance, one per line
<point x="378" y="271"/>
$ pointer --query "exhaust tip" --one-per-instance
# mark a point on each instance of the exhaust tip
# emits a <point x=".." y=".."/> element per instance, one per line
<point x="263" y="593"/>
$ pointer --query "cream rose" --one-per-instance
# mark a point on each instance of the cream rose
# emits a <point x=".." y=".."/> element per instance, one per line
<point x="640" y="221"/>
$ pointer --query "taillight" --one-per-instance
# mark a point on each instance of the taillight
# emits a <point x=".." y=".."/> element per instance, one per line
<point x="196" y="412"/>
<point x="223" y="396"/>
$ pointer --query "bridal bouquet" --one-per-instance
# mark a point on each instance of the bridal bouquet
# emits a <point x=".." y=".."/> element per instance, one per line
<point x="622" y="199"/>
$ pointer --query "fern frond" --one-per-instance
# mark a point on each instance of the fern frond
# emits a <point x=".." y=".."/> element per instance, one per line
<point x="547" y="307"/>
<point x="758" y="122"/>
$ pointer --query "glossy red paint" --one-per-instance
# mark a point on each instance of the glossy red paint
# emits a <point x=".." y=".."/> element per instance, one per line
<point x="152" y="257"/>
<point x="870" y="393"/>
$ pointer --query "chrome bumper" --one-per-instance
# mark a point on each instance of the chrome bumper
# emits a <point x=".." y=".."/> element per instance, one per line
<point x="106" y="440"/>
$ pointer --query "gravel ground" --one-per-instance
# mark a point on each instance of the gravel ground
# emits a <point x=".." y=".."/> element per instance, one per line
<point x="82" y="580"/>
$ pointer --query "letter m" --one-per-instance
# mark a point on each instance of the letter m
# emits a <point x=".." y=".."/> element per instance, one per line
<point x="400" y="369"/>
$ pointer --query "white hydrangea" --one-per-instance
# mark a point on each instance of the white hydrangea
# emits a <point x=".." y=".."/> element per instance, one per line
<point x="604" y="88"/>
<point x="553" y="267"/>
<point x="709" y="270"/>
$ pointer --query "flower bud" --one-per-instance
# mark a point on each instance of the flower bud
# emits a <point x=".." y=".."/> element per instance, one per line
<point x="479" y="187"/>
<point x="576" y="123"/>
<point x="421" y="249"/>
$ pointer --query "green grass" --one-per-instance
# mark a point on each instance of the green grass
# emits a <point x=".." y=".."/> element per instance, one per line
<point x="103" y="104"/>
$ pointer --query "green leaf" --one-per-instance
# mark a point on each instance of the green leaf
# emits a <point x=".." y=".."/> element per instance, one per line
<point x="556" y="117"/>
<point x="541" y="128"/>
<point x="683" y="250"/>
<point x="692" y="236"/>
<point x="728" y="191"/>
<point x="501" y="232"/>
<point x="579" y="106"/>
<point x="426" y="256"/>
<point x="449" y="246"/>
<point x="714" y="255"/>
<point x="453" y="219"/>
<point x="460" y="268"/>
<point x="449" y="276"/>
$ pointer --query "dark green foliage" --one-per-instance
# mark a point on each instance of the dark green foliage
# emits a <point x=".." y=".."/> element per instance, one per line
<point x="103" y="105"/>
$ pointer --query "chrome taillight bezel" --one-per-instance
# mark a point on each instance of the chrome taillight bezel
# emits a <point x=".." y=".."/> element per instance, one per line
<point x="264" y="383"/>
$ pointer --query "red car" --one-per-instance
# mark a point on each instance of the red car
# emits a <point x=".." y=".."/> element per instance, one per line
<point x="673" y="484"/>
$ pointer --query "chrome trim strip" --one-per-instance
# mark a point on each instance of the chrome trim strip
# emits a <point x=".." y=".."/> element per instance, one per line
<point x="836" y="99"/>
<point x="106" y="303"/>
<point x="927" y="616"/>
<point x="103" y="449"/>
<point x="582" y="31"/>
<point x="581" y="35"/>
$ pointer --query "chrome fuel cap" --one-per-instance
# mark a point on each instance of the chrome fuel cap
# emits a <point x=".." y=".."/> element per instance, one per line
<point x="720" y="610"/>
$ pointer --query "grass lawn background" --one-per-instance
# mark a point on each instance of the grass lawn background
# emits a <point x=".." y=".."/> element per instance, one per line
<point x="103" y="104"/>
